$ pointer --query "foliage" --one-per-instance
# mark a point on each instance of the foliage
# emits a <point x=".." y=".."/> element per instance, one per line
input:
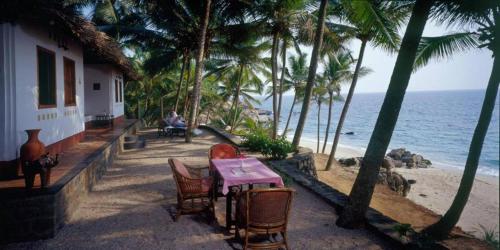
<point x="403" y="229"/>
<point x="274" y="149"/>
<point x="490" y="237"/>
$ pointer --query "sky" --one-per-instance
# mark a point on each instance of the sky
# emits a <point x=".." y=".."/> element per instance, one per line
<point x="465" y="70"/>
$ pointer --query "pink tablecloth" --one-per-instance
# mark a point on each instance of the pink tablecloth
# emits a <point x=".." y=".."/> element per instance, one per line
<point x="252" y="171"/>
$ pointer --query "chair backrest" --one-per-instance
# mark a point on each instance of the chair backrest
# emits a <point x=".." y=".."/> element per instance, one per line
<point x="161" y="123"/>
<point x="267" y="208"/>
<point x="223" y="151"/>
<point x="178" y="168"/>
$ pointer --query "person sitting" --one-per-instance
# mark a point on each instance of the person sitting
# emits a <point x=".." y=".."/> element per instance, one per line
<point x="175" y="121"/>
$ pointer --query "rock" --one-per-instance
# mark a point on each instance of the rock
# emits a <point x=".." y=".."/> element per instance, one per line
<point x="412" y="182"/>
<point x="388" y="163"/>
<point x="398" y="183"/>
<point x="426" y="162"/>
<point x="398" y="163"/>
<point x="350" y="133"/>
<point x="349" y="162"/>
<point x="417" y="159"/>
<point x="396" y="154"/>
<point x="411" y="165"/>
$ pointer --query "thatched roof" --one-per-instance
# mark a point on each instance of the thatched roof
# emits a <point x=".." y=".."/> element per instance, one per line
<point x="98" y="47"/>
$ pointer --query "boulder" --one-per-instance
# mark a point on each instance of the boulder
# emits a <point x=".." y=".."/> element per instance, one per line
<point x="396" y="154"/>
<point x="388" y="163"/>
<point x="394" y="181"/>
<point x="411" y="165"/>
<point x="398" y="163"/>
<point x="349" y="162"/>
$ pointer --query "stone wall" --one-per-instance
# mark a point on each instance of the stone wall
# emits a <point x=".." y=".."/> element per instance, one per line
<point x="40" y="214"/>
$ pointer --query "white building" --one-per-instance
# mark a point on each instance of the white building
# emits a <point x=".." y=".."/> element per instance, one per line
<point x="55" y="75"/>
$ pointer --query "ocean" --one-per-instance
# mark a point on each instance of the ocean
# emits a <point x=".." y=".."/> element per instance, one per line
<point x="436" y="124"/>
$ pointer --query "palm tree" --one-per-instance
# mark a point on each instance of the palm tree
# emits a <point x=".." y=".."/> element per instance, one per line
<point x="243" y="66"/>
<point x="313" y="65"/>
<point x="319" y="95"/>
<point x="337" y="71"/>
<point x="372" y="21"/>
<point x="362" y="190"/>
<point x="280" y="17"/>
<point x="298" y="78"/>
<point x="487" y="16"/>
<point x="198" y="71"/>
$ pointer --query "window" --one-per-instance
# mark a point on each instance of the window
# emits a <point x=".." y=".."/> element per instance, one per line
<point x="46" y="78"/>
<point x="69" y="82"/>
<point x="121" y="91"/>
<point x="117" y="89"/>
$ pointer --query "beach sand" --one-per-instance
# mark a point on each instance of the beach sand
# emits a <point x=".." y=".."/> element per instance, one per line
<point x="435" y="189"/>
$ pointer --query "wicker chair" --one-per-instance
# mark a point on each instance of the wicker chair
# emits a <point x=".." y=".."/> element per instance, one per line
<point x="264" y="212"/>
<point x="194" y="192"/>
<point x="220" y="151"/>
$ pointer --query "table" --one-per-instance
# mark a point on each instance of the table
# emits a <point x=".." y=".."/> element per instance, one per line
<point x="236" y="172"/>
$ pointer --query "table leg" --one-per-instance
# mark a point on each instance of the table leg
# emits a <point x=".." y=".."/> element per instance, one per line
<point x="272" y="185"/>
<point x="229" y="206"/>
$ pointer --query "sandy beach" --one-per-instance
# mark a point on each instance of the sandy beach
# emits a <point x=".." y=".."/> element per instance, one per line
<point x="436" y="187"/>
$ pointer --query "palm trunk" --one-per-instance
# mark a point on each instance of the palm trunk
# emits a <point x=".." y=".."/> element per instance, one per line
<point x="179" y="86"/>
<point x="198" y="71"/>
<point x="443" y="227"/>
<point x="312" y="74"/>
<point x="234" y="106"/>
<point x="290" y="115"/>
<point x="162" y="114"/>
<point x="186" y="96"/>
<point x="274" y="76"/>
<point x="282" y="80"/>
<point x="347" y="102"/>
<point x="361" y="193"/>
<point x="330" y="107"/>
<point x="319" y="121"/>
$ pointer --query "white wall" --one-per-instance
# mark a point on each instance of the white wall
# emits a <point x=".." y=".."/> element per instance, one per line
<point x="102" y="101"/>
<point x="97" y="101"/>
<point x="56" y="123"/>
<point x="7" y="93"/>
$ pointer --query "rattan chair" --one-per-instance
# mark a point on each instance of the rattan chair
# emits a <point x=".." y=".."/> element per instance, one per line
<point x="220" y="151"/>
<point x="194" y="192"/>
<point x="264" y="212"/>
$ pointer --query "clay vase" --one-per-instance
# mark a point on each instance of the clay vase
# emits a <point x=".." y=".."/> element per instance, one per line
<point x="33" y="148"/>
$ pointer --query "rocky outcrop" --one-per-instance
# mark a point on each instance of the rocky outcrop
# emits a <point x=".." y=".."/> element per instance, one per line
<point x="403" y="158"/>
<point x="386" y="176"/>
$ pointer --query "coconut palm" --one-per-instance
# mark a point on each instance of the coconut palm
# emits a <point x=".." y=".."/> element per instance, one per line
<point x="198" y="70"/>
<point x="280" y="17"/>
<point x="338" y="71"/>
<point x="362" y="190"/>
<point x="486" y="15"/>
<point x="313" y="65"/>
<point x="298" y="78"/>
<point x="242" y="69"/>
<point x="320" y="92"/>
<point x="372" y="22"/>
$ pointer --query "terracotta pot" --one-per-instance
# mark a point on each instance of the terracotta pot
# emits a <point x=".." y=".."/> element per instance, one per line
<point x="33" y="148"/>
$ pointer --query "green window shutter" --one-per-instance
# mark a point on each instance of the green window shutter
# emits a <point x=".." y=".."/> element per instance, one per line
<point x="46" y="78"/>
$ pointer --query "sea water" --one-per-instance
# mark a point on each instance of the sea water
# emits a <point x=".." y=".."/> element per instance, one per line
<point x="437" y="124"/>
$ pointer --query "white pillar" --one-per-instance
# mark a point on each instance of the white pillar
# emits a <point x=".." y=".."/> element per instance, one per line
<point x="8" y="145"/>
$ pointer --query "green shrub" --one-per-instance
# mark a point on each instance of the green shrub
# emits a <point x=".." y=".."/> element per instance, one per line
<point x="274" y="149"/>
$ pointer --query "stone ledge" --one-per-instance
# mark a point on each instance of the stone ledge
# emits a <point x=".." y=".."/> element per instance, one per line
<point x="233" y="139"/>
<point x="40" y="213"/>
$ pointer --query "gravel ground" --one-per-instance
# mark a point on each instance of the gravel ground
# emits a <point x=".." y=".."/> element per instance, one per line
<point x="132" y="206"/>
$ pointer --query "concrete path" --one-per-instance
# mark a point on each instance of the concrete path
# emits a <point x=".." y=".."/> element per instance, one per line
<point x="132" y="206"/>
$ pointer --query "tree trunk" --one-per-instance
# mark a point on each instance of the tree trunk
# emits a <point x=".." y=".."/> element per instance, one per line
<point x="318" y="40"/>
<point x="282" y="81"/>
<point x="274" y="76"/>
<point x="330" y="107"/>
<point x="319" y="121"/>
<point x="343" y="115"/>
<point x="198" y="71"/>
<point x="162" y="114"/>
<point x="443" y="227"/>
<point x="290" y="115"/>
<point x="179" y="86"/>
<point x="234" y="106"/>
<point x="359" y="199"/>
<point x="186" y="96"/>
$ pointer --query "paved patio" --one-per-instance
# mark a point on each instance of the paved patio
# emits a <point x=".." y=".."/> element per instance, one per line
<point x="132" y="206"/>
